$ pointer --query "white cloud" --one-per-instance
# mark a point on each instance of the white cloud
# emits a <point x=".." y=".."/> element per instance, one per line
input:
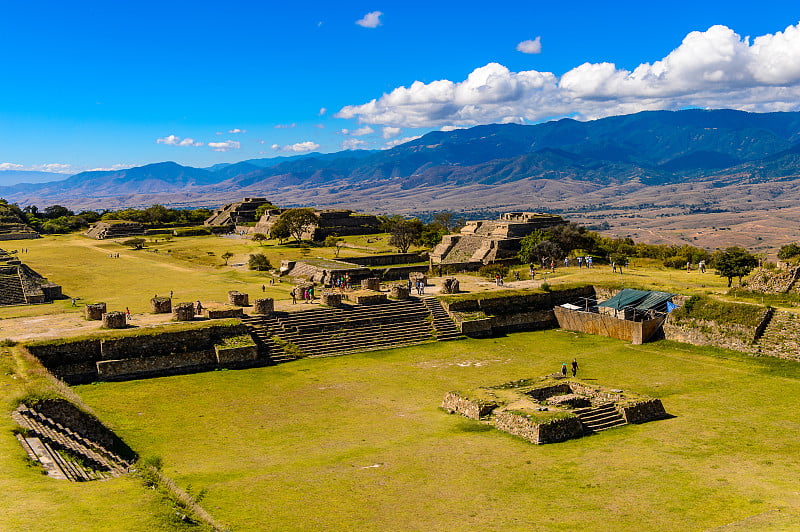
<point x="452" y="128"/>
<point x="319" y="126"/>
<point x="112" y="168"/>
<point x="172" y="140"/>
<point x="530" y="46"/>
<point x="237" y="130"/>
<point x="370" y="20"/>
<point x="397" y="142"/>
<point x="711" y="69"/>
<point x="57" y="168"/>
<point x="285" y="126"/>
<point x="353" y="144"/>
<point x="366" y="130"/>
<point x="227" y="145"/>
<point x="299" y="147"/>
<point x="322" y="111"/>
<point x="389" y="132"/>
<point x="11" y="166"/>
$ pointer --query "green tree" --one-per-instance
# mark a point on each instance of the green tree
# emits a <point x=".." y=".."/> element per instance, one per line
<point x="226" y="256"/>
<point x="262" y="209"/>
<point x="734" y="262"/>
<point x="299" y="221"/>
<point x="405" y="233"/>
<point x="279" y="231"/>
<point x="260" y="238"/>
<point x="789" y="251"/>
<point x="333" y="241"/>
<point x="258" y="262"/>
<point x="527" y="252"/>
<point x="56" y="211"/>
<point x="448" y="221"/>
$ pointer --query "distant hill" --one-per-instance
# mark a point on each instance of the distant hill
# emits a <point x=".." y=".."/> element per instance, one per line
<point x="13" y="177"/>
<point x="665" y="162"/>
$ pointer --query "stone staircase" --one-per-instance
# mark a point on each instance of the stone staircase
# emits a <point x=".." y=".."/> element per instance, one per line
<point x="64" y="453"/>
<point x="11" y="292"/>
<point x="321" y="332"/>
<point x="781" y="337"/>
<point x="262" y="329"/>
<point x="442" y="323"/>
<point x="600" y="417"/>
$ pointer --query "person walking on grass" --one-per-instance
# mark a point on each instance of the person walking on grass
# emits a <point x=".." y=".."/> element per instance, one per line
<point x="574" y="366"/>
<point x="564" y="369"/>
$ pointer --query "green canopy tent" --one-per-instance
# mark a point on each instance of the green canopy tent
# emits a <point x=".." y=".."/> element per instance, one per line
<point x="638" y="303"/>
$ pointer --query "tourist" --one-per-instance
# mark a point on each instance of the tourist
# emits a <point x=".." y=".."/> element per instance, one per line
<point x="170" y="294"/>
<point x="613" y="267"/>
<point x="566" y="262"/>
<point x="580" y="262"/>
<point x="263" y="288"/>
<point x="198" y="307"/>
<point x="294" y="296"/>
<point x="127" y="313"/>
<point x="73" y="302"/>
<point x="563" y="369"/>
<point x="574" y="366"/>
<point x="533" y="273"/>
<point x="552" y="266"/>
<point x="702" y="266"/>
<point x="311" y="294"/>
<point x="516" y="276"/>
<point x="688" y="267"/>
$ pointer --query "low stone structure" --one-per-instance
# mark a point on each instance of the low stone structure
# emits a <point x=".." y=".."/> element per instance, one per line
<point x="488" y="241"/>
<point x="450" y="285"/>
<point x="331" y="222"/>
<point x="366" y="297"/>
<point x="636" y="332"/>
<point x="21" y="285"/>
<point x="399" y="292"/>
<point x="114" y="320"/>
<point x="371" y="283"/>
<point x="265" y="306"/>
<point x="161" y="305"/>
<point x="183" y="312"/>
<point x="237" y="213"/>
<point x="332" y="299"/>
<point x="238" y="298"/>
<point x="145" y="353"/>
<point x="549" y="409"/>
<point x="325" y="271"/>
<point x="114" y="229"/>
<point x="216" y="312"/>
<point x="17" y="231"/>
<point x="94" y="311"/>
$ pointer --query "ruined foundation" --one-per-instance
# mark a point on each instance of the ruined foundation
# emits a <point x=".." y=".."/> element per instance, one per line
<point x="238" y="298"/>
<point x="264" y="306"/>
<point x="450" y="286"/>
<point x="332" y="299"/>
<point x="183" y="312"/>
<point x="161" y="305"/>
<point x="95" y="311"/>
<point x="372" y="283"/>
<point x="114" y="320"/>
<point x="399" y="292"/>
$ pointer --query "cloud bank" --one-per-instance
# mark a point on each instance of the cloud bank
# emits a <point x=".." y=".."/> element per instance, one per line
<point x="299" y="147"/>
<point x="715" y="68"/>
<point x="370" y="20"/>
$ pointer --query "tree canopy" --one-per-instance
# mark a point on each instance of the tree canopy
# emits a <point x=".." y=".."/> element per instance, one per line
<point x="404" y="233"/>
<point x="298" y="221"/>
<point x="734" y="262"/>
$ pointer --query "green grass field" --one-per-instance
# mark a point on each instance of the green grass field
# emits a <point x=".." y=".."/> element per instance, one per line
<point x="358" y="442"/>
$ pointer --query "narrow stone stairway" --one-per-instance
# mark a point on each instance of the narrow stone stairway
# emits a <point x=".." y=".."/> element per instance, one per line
<point x="262" y="330"/>
<point x="601" y="417"/>
<point x="781" y="338"/>
<point x="442" y="323"/>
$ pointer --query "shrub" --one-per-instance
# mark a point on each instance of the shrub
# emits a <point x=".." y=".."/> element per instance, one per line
<point x="492" y="270"/>
<point x="258" y="262"/>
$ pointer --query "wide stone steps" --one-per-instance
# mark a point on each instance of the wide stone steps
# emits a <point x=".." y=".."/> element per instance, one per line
<point x="11" y="292"/>
<point x="98" y="462"/>
<point x="261" y="329"/>
<point x="781" y="338"/>
<point x="442" y="323"/>
<point x="354" y="340"/>
<point x="599" y="418"/>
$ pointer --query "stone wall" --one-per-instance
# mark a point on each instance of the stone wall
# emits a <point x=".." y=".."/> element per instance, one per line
<point x="114" y="320"/>
<point x="264" y="306"/>
<point x="236" y="357"/>
<point x="642" y="411"/>
<point x="497" y="303"/>
<point x="540" y="394"/>
<point x="238" y="298"/>
<point x="371" y="283"/>
<point x="702" y="332"/>
<point x="398" y="292"/>
<point x="95" y="311"/>
<point x="366" y="297"/>
<point x="385" y="259"/>
<point x="183" y="312"/>
<point x="84" y="361"/>
<point x="556" y="430"/>
<point x="332" y="299"/>
<point x="161" y="305"/>
<point x="454" y="403"/>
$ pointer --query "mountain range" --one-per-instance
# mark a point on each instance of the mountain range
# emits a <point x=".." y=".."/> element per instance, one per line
<point x="668" y="162"/>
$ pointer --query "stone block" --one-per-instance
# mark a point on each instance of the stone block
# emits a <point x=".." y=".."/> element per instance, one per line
<point x="369" y="298"/>
<point x="264" y="306"/>
<point x="238" y="298"/>
<point x="95" y="311"/>
<point x="183" y="312"/>
<point x="219" y="312"/>
<point x="450" y="286"/>
<point x="399" y="292"/>
<point x="114" y="320"/>
<point x="161" y="305"/>
<point x="332" y="299"/>
<point x="415" y="277"/>
<point x="371" y="283"/>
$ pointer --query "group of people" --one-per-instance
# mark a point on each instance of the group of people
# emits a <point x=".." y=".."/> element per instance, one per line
<point x="574" y="368"/>
<point x="419" y="286"/>
<point x="587" y="261"/>
<point x="342" y="282"/>
<point x="700" y="266"/>
<point x="306" y="293"/>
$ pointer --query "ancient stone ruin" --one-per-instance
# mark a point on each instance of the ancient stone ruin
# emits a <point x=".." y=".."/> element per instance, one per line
<point x="371" y="283"/>
<point x="450" y="286"/>
<point x="114" y="229"/>
<point x="486" y="241"/>
<point x="265" y="306"/>
<point x="183" y="312"/>
<point x="161" y="305"/>
<point x="332" y="299"/>
<point x="238" y="298"/>
<point x="94" y="311"/>
<point x="398" y="291"/>
<point x="234" y="214"/>
<point x="331" y="222"/>
<point x="21" y="285"/>
<point x="114" y="320"/>
<point x="553" y="409"/>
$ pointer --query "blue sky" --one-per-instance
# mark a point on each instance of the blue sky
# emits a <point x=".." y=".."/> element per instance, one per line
<point x="90" y="84"/>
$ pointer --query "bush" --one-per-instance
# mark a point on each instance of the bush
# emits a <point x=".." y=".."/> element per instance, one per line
<point x="258" y="262"/>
